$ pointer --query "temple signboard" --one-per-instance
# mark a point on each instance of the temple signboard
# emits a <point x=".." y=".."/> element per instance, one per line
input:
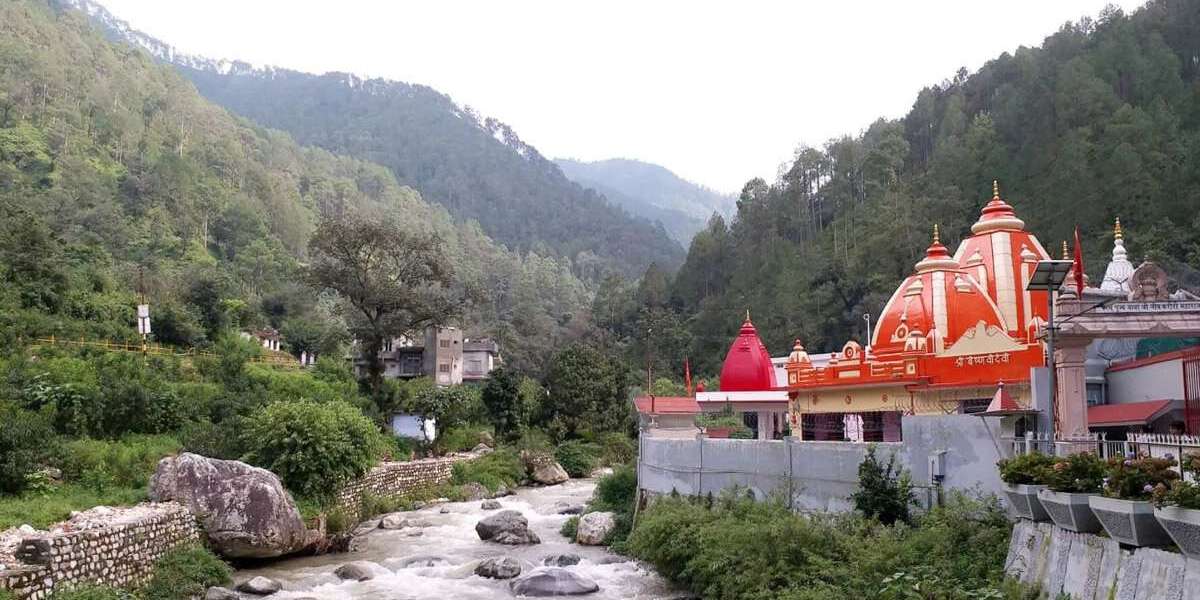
<point x="1150" y="307"/>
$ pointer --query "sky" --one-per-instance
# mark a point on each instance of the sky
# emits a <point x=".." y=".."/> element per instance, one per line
<point x="718" y="92"/>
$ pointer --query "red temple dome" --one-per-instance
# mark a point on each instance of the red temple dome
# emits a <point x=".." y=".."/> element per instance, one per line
<point x="748" y="365"/>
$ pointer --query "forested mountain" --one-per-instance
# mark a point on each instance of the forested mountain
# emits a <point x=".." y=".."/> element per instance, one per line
<point x="114" y="171"/>
<point x="651" y="191"/>
<point x="476" y="167"/>
<point x="1101" y="121"/>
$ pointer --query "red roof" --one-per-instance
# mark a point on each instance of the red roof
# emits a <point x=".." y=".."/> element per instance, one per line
<point x="662" y="405"/>
<point x="748" y="365"/>
<point x="1129" y="413"/>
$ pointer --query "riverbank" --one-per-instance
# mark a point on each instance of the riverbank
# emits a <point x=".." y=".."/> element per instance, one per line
<point x="435" y="556"/>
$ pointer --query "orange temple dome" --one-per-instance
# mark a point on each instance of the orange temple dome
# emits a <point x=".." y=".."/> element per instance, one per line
<point x="748" y="365"/>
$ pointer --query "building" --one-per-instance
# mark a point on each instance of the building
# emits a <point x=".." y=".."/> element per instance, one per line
<point x="667" y="416"/>
<point x="441" y="353"/>
<point x="268" y="338"/>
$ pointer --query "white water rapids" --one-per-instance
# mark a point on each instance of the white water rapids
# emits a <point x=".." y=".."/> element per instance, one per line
<point x="452" y="537"/>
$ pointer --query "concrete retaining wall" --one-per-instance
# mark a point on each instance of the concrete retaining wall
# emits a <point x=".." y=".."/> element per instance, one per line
<point x="820" y="476"/>
<point x="120" y="555"/>
<point x="1089" y="567"/>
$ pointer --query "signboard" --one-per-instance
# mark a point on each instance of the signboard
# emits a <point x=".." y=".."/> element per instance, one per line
<point x="1150" y="307"/>
<point x="143" y="315"/>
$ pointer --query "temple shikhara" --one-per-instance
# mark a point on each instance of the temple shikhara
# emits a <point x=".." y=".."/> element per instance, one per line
<point x="962" y="325"/>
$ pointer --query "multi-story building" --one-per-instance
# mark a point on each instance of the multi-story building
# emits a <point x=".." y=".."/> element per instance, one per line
<point x="440" y="353"/>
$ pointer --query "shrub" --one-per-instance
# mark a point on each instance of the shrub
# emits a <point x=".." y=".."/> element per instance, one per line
<point x="26" y="441"/>
<point x="314" y="448"/>
<point x="1181" y="493"/>
<point x="502" y="467"/>
<point x="92" y="592"/>
<point x="186" y="572"/>
<point x="215" y="440"/>
<point x="617" y="449"/>
<point x="1138" y="477"/>
<point x="1025" y="469"/>
<point x="1081" y="473"/>
<point x="463" y="438"/>
<point x="126" y="463"/>
<point x="577" y="457"/>
<point x="616" y="492"/>
<point x="570" y="527"/>
<point x="884" y="491"/>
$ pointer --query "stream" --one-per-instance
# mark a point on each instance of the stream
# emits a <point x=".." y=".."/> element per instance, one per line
<point x="451" y="536"/>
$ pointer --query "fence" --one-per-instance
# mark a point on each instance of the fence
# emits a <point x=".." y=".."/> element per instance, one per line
<point x="277" y="360"/>
<point x="1157" y="445"/>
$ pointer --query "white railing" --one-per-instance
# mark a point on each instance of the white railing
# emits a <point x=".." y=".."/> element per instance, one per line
<point x="1156" y="445"/>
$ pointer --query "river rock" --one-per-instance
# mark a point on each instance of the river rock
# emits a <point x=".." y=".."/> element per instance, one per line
<point x="549" y="473"/>
<point x="594" y="527"/>
<point x="220" y="593"/>
<point x="481" y="448"/>
<point x="506" y="527"/>
<point x="565" y="508"/>
<point x="490" y="505"/>
<point x="244" y="510"/>
<point x="445" y="510"/>
<point x="358" y="571"/>
<point x="396" y="521"/>
<point x="600" y="472"/>
<point x="422" y="560"/>
<point x="498" y="567"/>
<point x="259" y="586"/>
<point x="561" y="560"/>
<point x="553" y="581"/>
<point x="473" y="491"/>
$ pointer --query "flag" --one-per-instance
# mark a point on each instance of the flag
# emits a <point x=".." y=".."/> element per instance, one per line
<point x="1078" y="266"/>
<point x="687" y="376"/>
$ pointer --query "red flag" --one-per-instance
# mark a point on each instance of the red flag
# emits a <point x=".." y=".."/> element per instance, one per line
<point x="687" y="376"/>
<point x="1078" y="264"/>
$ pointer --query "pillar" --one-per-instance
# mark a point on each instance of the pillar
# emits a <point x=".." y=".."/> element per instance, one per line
<point x="766" y="424"/>
<point x="1070" y="398"/>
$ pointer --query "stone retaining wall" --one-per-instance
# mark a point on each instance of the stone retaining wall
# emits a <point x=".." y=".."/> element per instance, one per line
<point x="1084" y="566"/>
<point x="122" y="554"/>
<point x="393" y="479"/>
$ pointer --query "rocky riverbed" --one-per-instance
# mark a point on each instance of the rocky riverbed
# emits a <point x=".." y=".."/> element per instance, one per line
<point x="436" y="552"/>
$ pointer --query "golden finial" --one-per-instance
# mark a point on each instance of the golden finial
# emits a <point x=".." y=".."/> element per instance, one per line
<point x="1066" y="255"/>
<point x="1117" y="234"/>
<point x="936" y="238"/>
<point x="995" y="190"/>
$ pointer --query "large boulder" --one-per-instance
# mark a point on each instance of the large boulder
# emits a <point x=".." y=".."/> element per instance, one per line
<point x="490" y="505"/>
<point x="553" y="581"/>
<point x="561" y="560"/>
<point x="505" y="567"/>
<point x="506" y="527"/>
<point x="220" y="593"/>
<point x="594" y="527"/>
<point x="549" y="473"/>
<point x="259" y="586"/>
<point x="244" y="510"/>
<point x="359" y="570"/>
<point x="473" y="491"/>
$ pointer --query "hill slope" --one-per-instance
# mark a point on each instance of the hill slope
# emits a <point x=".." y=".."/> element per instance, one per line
<point x="111" y="163"/>
<point x="651" y="191"/>
<point x="476" y="167"/>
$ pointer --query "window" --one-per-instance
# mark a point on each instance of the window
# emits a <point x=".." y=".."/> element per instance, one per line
<point x="970" y="407"/>
<point x="475" y="366"/>
<point x="444" y="343"/>
<point x="444" y="368"/>
<point x="387" y="345"/>
<point x="1095" y="394"/>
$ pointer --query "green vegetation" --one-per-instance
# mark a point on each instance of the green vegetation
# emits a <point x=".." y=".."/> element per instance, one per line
<point x="93" y="592"/>
<point x="739" y="548"/>
<point x="884" y="490"/>
<point x="578" y="458"/>
<point x="617" y="493"/>
<point x="185" y="572"/>
<point x="1079" y="473"/>
<point x="1025" y="469"/>
<point x="1138" y="478"/>
<point x="500" y="468"/>
<point x="1181" y="492"/>
<point x="501" y="398"/>
<point x="570" y="527"/>
<point x="587" y="393"/>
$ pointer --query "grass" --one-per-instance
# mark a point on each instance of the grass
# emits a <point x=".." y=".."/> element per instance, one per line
<point x="502" y="467"/>
<point x="43" y="509"/>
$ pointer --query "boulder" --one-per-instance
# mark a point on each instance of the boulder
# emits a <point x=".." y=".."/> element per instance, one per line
<point x="506" y="527"/>
<point x="422" y="560"/>
<point x="358" y="570"/>
<point x="600" y="472"/>
<point x="490" y="505"/>
<point x="553" y="581"/>
<point x="220" y="593"/>
<point x="259" y="586"/>
<point x="499" y="568"/>
<point x="481" y="448"/>
<point x="594" y="527"/>
<point x="568" y="509"/>
<point x="473" y="491"/>
<point x="395" y="521"/>
<point x="549" y="473"/>
<point x="244" y="510"/>
<point x="445" y="510"/>
<point x="502" y="491"/>
<point x="561" y="560"/>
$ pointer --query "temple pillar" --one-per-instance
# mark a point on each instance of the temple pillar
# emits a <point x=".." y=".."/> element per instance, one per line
<point x="766" y="425"/>
<point x="1070" y="398"/>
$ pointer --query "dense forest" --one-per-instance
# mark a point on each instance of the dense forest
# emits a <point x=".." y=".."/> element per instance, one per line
<point x="1101" y="121"/>
<point x="477" y="167"/>
<point x="117" y="176"/>
<point x="651" y="191"/>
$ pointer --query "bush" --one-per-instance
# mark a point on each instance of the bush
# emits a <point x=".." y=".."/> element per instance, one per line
<point x="617" y="449"/>
<point x="1182" y="493"/>
<point x="502" y="467"/>
<point x="617" y="493"/>
<point x="92" y="592"/>
<point x="577" y="457"/>
<point x="570" y="527"/>
<point x="186" y="572"/>
<point x="314" y="448"/>
<point x="1025" y="469"/>
<point x="26" y="441"/>
<point x="884" y="491"/>
<point x="463" y="438"/>
<point x="42" y="510"/>
<point x="215" y="440"/>
<point x="1081" y="473"/>
<point x="126" y="463"/>
<point x="1138" y="478"/>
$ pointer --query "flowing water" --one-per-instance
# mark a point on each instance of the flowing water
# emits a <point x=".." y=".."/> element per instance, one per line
<point x="451" y="536"/>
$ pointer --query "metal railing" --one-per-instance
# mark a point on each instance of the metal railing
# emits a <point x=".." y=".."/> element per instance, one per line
<point x="273" y="358"/>
<point x="1156" y="445"/>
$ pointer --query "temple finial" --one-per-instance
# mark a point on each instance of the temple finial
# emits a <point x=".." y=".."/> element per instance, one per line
<point x="995" y="190"/>
<point x="936" y="238"/>
<point x="1117" y="233"/>
<point x="747" y="314"/>
<point x="1065" y="255"/>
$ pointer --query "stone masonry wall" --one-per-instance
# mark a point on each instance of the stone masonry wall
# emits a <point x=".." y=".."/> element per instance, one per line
<point x="1083" y="566"/>
<point x="122" y="554"/>
<point x="392" y="479"/>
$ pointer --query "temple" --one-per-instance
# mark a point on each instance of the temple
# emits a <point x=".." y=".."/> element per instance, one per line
<point x="960" y="325"/>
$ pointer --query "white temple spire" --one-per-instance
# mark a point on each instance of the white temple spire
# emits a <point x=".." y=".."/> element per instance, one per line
<point x="1116" y="276"/>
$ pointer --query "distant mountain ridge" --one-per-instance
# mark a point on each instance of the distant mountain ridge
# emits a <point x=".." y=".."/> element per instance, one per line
<point x="653" y="192"/>
<point x="477" y="167"/>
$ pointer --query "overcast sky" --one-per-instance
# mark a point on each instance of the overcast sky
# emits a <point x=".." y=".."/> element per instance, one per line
<point x="718" y="92"/>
